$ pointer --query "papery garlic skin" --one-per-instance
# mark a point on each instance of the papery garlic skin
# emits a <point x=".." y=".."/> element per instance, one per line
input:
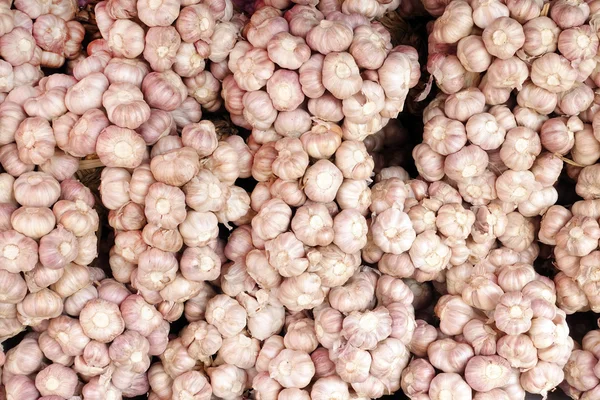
<point x="455" y="23"/>
<point x="18" y="252"/>
<point x="503" y="37"/>
<point x="341" y="75"/>
<point x="292" y="369"/>
<point x="553" y="73"/>
<point x="445" y="384"/>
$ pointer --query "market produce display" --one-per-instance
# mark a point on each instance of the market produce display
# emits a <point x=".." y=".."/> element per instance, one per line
<point x="234" y="200"/>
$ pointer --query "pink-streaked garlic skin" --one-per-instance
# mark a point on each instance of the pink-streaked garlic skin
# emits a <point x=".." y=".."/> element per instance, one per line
<point x="444" y="136"/>
<point x="58" y="248"/>
<point x="253" y="70"/>
<point x="11" y="115"/>
<point x="87" y="94"/>
<point x="301" y="292"/>
<point x="230" y="380"/>
<point x="120" y="147"/>
<point x="579" y="371"/>
<point x="473" y="55"/>
<point x="310" y="77"/>
<point x="286" y="254"/>
<point x="21" y="385"/>
<point x="34" y="140"/>
<point x="114" y="187"/>
<point x="350" y="230"/>
<point x="47" y="105"/>
<point x="192" y="383"/>
<point x="165" y="239"/>
<point x="17" y="47"/>
<point x="329" y="36"/>
<point x="569" y="14"/>
<point x="165" y="205"/>
<point x="272" y="346"/>
<point x="125" y="38"/>
<point x="292" y="368"/>
<point x="354" y="194"/>
<point x="164" y="90"/>
<point x="129" y="217"/>
<point x="393" y="231"/>
<point x="454" y="314"/>
<point x="520" y="148"/>
<point x="38" y="307"/>
<point x="125" y="105"/>
<point x="449" y="356"/>
<point x="449" y="383"/>
<point x="340" y="75"/>
<point x="366" y="330"/>
<point x="125" y="70"/>
<point x="360" y="287"/>
<point x="503" y="37"/>
<point x="327" y="107"/>
<point x="33" y="222"/>
<point x="288" y="51"/>
<point x="454" y="24"/>
<point x="204" y="88"/>
<point x="542" y="377"/>
<point x="25" y="358"/>
<point x="56" y="380"/>
<point x="486" y="373"/>
<point x="73" y="278"/>
<point x="353" y="160"/>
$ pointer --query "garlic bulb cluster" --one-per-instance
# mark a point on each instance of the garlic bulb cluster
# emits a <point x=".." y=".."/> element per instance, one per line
<point x="297" y="259"/>
<point x="499" y="332"/>
<point x="128" y="90"/>
<point x="302" y="70"/>
<point x="574" y="254"/>
<point x="35" y="35"/>
<point x="47" y="245"/>
<point x="100" y="348"/>
<point x="166" y="214"/>
<point x="289" y="285"/>
<point x="582" y="369"/>
<point x="250" y="341"/>
<point x="517" y="105"/>
<point x="483" y="57"/>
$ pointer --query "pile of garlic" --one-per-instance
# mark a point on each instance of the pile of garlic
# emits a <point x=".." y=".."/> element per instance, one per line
<point x="100" y="348"/>
<point x="582" y="371"/>
<point x="328" y="63"/>
<point x="497" y="154"/>
<point x="574" y="234"/>
<point x="500" y="334"/>
<point x="518" y="80"/>
<point x="123" y="94"/>
<point x="479" y="55"/>
<point x="36" y="34"/>
<point x="250" y="342"/>
<point x="177" y="198"/>
<point x="47" y="240"/>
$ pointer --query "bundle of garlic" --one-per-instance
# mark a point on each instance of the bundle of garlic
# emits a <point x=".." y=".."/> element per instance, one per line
<point x="500" y="334"/>
<point x="524" y="149"/>
<point x="100" y="348"/>
<point x="177" y="198"/>
<point x="47" y="240"/>
<point x="124" y="95"/>
<point x="306" y="68"/>
<point x="481" y="53"/>
<point x="582" y="372"/>
<point x="35" y="34"/>
<point x="572" y="233"/>
<point x="163" y="49"/>
<point x="360" y="350"/>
